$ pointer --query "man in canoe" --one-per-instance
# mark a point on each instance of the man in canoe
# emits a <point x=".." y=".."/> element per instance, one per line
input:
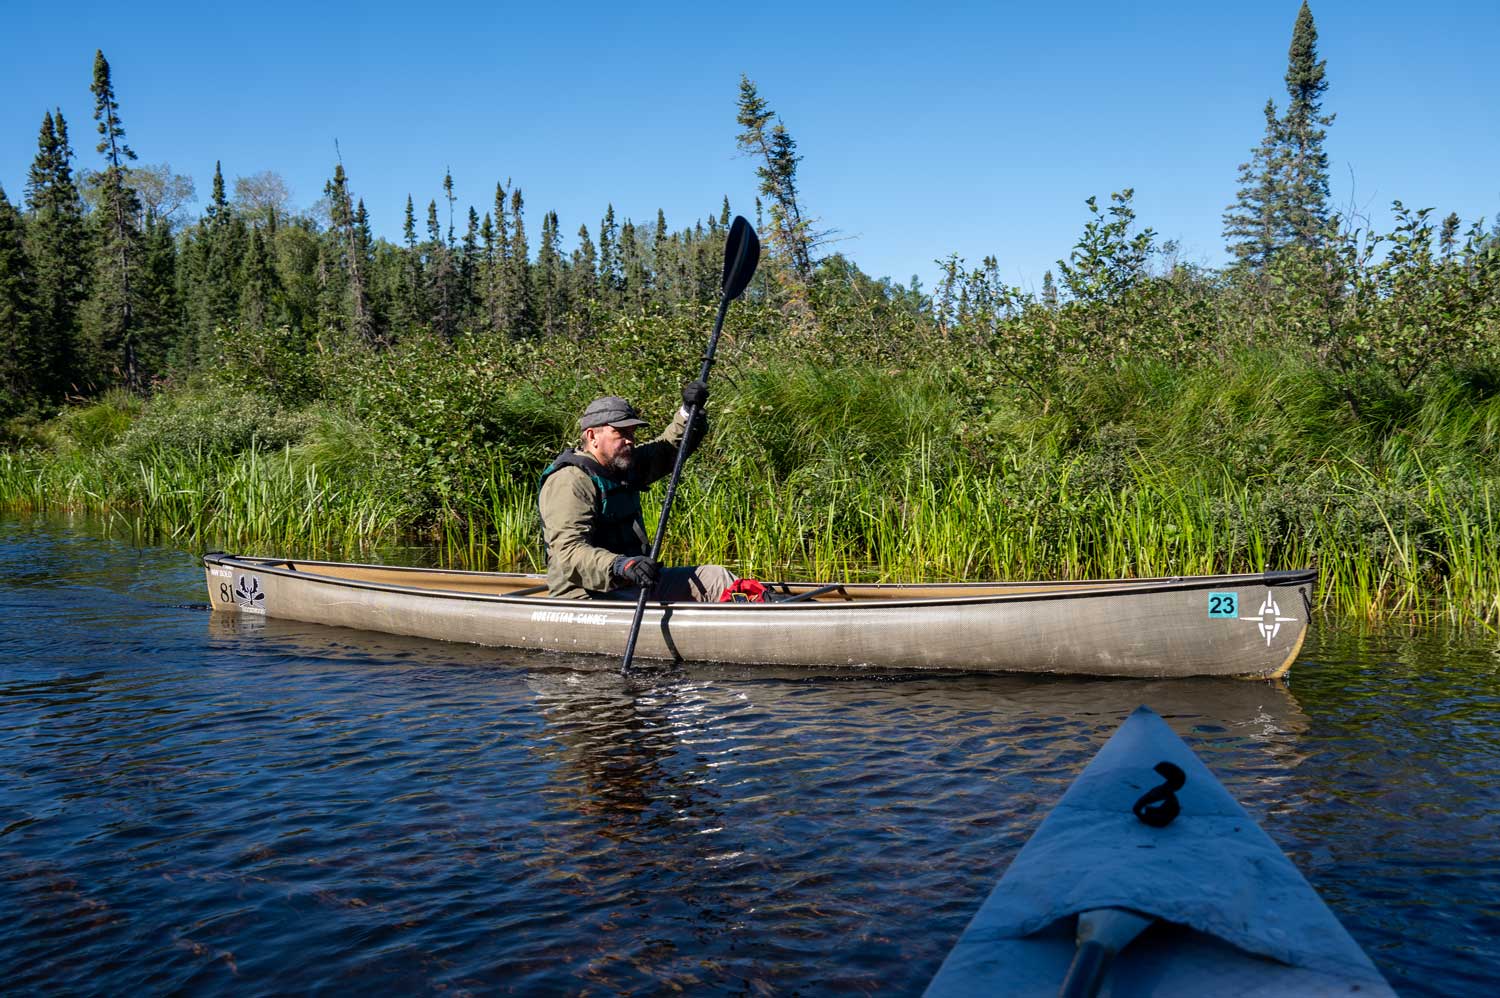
<point x="590" y="504"/>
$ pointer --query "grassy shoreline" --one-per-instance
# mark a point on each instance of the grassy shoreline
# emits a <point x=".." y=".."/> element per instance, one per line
<point x="830" y="471"/>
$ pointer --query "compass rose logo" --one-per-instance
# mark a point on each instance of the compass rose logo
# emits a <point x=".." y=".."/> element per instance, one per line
<point x="1269" y="620"/>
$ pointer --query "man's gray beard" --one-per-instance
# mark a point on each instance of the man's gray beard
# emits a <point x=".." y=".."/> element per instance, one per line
<point x="622" y="462"/>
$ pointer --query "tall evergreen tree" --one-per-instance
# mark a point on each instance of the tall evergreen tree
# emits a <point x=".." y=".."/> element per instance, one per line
<point x="1306" y="184"/>
<point x="790" y="235"/>
<point x="550" y="291"/>
<point x="259" y="287"/>
<point x="409" y="312"/>
<point x="1252" y="225"/>
<point x="468" y="271"/>
<point x="19" y="371"/>
<point x="212" y="271"/>
<point x="442" y="278"/>
<point x="637" y="270"/>
<point x="159" y="315"/>
<point x="517" y="308"/>
<point x="109" y="315"/>
<point x="56" y="245"/>
<point x="610" y="278"/>
<point x="584" y="272"/>
<point x="1283" y="192"/>
<point x="489" y="276"/>
<point x="349" y="256"/>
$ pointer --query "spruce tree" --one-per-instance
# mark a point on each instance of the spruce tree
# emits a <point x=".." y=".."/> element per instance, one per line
<point x="441" y="278"/>
<point x="790" y="234"/>
<point x="468" y="271"/>
<point x="259" y="287"/>
<point x="517" y="308"/>
<point x="212" y="271"/>
<point x="1283" y="192"/>
<point x="637" y="271"/>
<point x="489" y="277"/>
<point x="57" y="248"/>
<point x="1253" y="224"/>
<point x="584" y="273"/>
<point x="1306" y="184"/>
<point x="610" y="278"/>
<point x="410" y="305"/>
<point x="346" y="265"/>
<point x="550" y="291"/>
<point x="109" y="314"/>
<point x="19" y="360"/>
<point x="158" y="315"/>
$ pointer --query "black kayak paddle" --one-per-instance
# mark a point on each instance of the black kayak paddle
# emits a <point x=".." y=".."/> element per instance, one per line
<point x="741" y="255"/>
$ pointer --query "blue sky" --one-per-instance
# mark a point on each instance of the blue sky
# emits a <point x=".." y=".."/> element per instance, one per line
<point x="925" y="129"/>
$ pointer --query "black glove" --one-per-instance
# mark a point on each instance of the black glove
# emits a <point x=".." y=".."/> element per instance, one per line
<point x="695" y="393"/>
<point x="636" y="570"/>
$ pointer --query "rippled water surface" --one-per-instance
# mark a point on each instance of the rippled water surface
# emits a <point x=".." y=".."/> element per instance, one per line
<point x="191" y="805"/>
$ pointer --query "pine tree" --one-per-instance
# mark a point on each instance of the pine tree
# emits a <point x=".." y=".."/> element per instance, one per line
<point x="468" y="271"/>
<point x="790" y="234"/>
<point x="1306" y="184"/>
<point x="610" y="278"/>
<point x="349" y="253"/>
<point x="212" y="271"/>
<point x="109" y="314"/>
<point x="259" y="287"/>
<point x="441" y="278"/>
<point x="489" y="277"/>
<point x="661" y="258"/>
<point x="637" y="272"/>
<point x="158" y="314"/>
<point x="583" y="277"/>
<point x="1252" y="225"/>
<point x="1283" y="192"/>
<point x="19" y="362"/>
<point x="517" y="308"/>
<point x="502" y="227"/>
<point x="57" y="248"/>
<point x="550" y="280"/>
<point x="410" y="305"/>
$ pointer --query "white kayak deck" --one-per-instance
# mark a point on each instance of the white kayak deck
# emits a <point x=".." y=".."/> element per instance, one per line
<point x="1238" y="917"/>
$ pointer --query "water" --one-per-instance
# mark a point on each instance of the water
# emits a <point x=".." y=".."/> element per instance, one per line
<point x="190" y="804"/>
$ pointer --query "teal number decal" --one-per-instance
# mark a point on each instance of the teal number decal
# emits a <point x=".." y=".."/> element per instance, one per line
<point x="1224" y="605"/>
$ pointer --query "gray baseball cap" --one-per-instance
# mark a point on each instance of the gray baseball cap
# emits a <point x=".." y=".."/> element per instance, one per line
<point x="611" y="410"/>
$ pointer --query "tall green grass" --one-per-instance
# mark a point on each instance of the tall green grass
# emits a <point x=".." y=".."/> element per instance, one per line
<point x="844" y="472"/>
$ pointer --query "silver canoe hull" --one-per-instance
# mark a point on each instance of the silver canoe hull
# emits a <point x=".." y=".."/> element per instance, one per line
<point x="1237" y="918"/>
<point x="1232" y="625"/>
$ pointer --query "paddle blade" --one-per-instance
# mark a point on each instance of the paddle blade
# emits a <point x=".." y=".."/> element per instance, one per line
<point x="741" y="255"/>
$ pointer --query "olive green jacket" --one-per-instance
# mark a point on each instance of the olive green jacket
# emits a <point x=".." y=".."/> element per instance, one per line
<point x="583" y="537"/>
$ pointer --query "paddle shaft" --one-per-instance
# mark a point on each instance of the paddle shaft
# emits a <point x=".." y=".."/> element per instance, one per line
<point x="1102" y="932"/>
<point x="666" y="505"/>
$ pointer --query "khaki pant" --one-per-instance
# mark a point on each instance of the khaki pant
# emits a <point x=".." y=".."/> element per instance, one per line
<point x="696" y="583"/>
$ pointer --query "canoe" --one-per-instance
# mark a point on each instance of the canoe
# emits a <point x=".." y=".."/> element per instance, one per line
<point x="1222" y="625"/>
<point x="1225" y="912"/>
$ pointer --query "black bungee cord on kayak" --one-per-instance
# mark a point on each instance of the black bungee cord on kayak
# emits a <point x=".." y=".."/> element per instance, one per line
<point x="1158" y="806"/>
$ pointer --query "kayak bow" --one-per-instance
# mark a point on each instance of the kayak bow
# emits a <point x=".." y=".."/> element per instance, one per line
<point x="1232" y="915"/>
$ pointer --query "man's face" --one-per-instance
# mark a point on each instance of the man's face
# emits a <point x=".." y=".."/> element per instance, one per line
<point x="612" y="447"/>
